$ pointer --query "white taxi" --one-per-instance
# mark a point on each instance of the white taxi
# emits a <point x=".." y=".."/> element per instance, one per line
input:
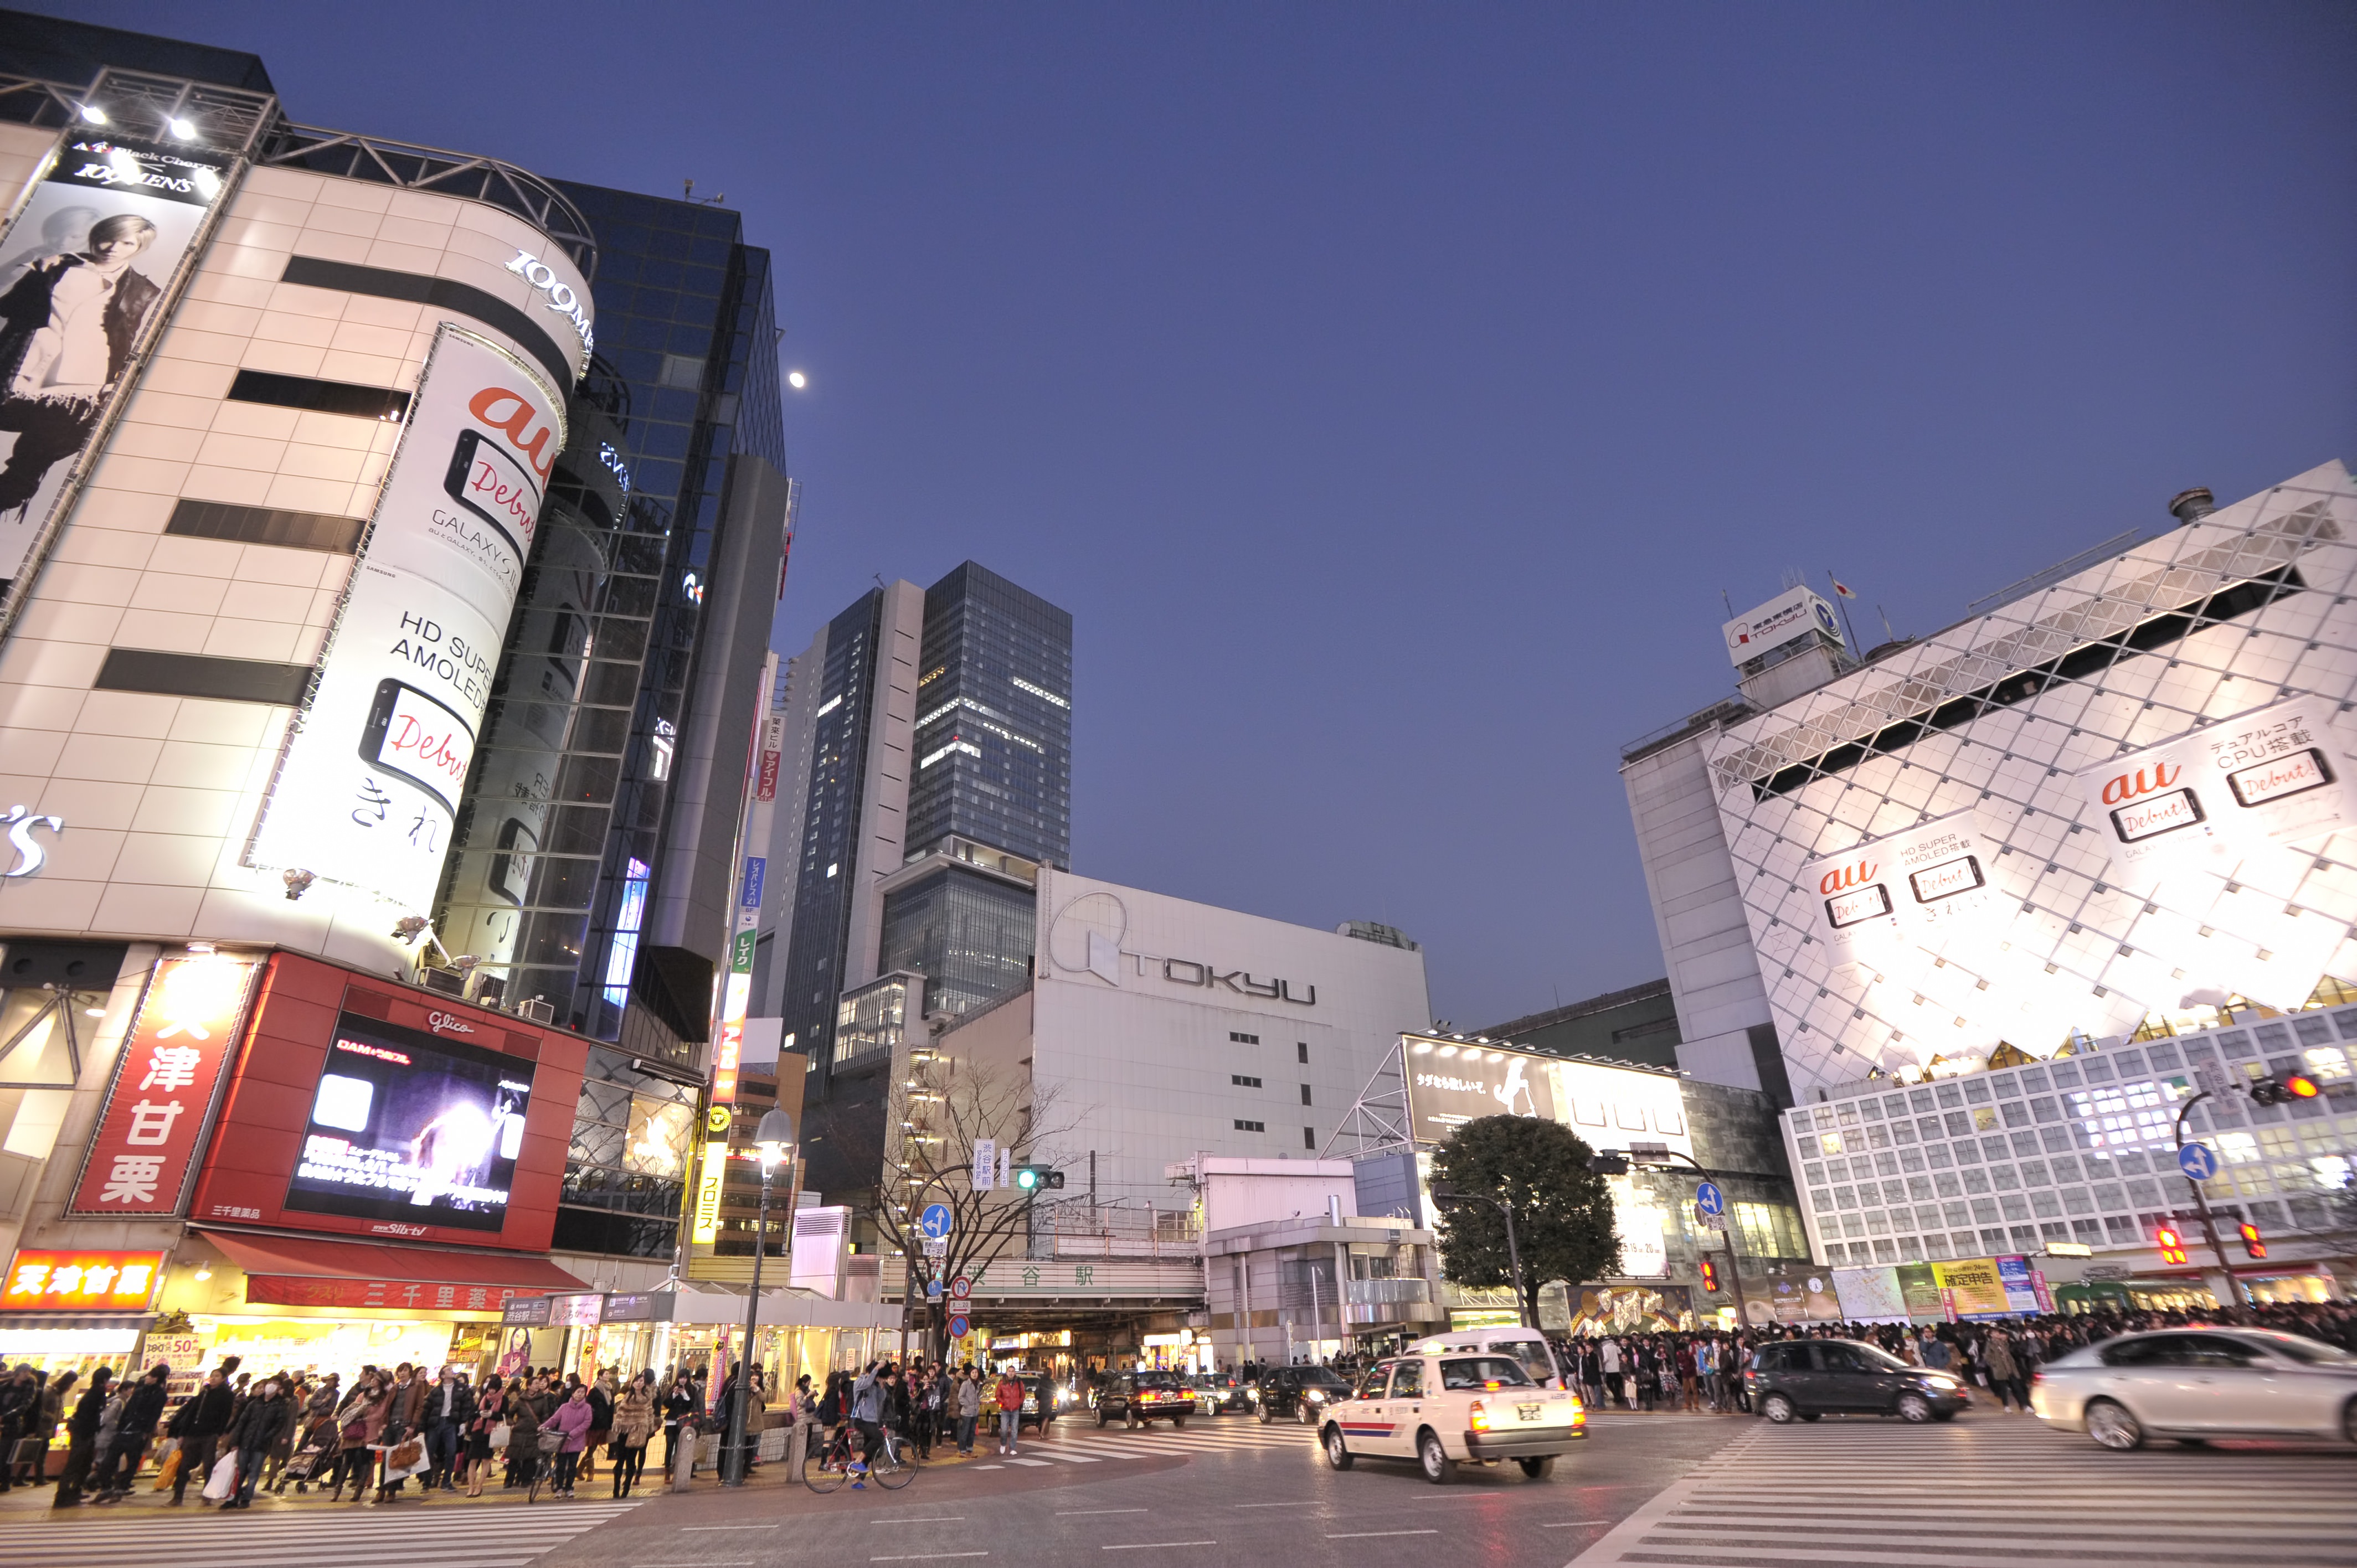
<point x="1443" y="1409"/>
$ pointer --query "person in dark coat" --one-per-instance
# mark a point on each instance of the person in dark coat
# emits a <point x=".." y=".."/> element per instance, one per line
<point x="199" y="1423"/>
<point x="143" y="1407"/>
<point x="81" y="1434"/>
<point x="20" y="1399"/>
<point x="268" y="1416"/>
<point x="449" y="1406"/>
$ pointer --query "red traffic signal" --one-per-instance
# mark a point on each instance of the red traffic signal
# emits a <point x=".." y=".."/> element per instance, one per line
<point x="2254" y="1244"/>
<point x="2280" y="1090"/>
<point x="1709" y="1275"/>
<point x="2172" y="1245"/>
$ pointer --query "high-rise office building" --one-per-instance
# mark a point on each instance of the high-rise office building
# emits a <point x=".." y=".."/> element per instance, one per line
<point x="928" y="743"/>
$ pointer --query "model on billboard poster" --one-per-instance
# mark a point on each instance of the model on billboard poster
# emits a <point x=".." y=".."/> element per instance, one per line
<point x="406" y="1126"/>
<point x="88" y="261"/>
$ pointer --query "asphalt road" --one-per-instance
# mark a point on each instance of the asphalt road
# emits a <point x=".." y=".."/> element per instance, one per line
<point x="1988" y="1489"/>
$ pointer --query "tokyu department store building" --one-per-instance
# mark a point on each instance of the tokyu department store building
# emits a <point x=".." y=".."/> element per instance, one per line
<point x="2018" y="908"/>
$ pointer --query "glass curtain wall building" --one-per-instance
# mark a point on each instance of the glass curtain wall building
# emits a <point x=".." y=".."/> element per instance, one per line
<point x="994" y="720"/>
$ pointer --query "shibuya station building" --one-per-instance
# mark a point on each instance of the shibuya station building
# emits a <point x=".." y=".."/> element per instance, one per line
<point x="2007" y="912"/>
<point x="349" y="918"/>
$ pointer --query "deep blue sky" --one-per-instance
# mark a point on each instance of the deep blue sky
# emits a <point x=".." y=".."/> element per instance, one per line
<point x="1390" y="391"/>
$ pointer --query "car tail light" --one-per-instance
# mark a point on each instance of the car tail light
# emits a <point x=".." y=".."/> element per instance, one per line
<point x="1479" y="1417"/>
<point x="2037" y="1376"/>
<point x="1578" y="1416"/>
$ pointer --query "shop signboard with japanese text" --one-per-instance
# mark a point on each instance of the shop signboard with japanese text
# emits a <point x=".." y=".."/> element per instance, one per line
<point x="1972" y="1287"/>
<point x="85" y="272"/>
<point x="374" y="768"/>
<point x="167" y="1083"/>
<point x="306" y="1290"/>
<point x="45" y="1280"/>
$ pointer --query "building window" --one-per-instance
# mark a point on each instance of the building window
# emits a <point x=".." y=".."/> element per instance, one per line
<point x="1304" y="1094"/>
<point x="1238" y="1078"/>
<point x="1243" y="1126"/>
<point x="1301" y="1049"/>
<point x="1243" y="1039"/>
<point x="1310" y="1139"/>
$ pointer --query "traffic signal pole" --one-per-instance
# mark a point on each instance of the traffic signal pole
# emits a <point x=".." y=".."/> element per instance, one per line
<point x="2202" y="1201"/>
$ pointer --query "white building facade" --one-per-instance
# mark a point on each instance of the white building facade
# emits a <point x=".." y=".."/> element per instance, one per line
<point x="2100" y="836"/>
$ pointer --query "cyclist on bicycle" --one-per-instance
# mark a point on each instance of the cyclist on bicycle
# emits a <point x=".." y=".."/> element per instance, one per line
<point x="867" y="1417"/>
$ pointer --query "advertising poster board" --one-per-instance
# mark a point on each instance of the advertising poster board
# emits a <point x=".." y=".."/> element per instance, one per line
<point x="167" y="1085"/>
<point x="1448" y="1086"/>
<point x="2203" y="801"/>
<point x="1878" y="902"/>
<point x="1790" y="614"/>
<point x="1633" y="1309"/>
<point x="84" y="272"/>
<point x="410" y="1126"/>
<point x="1870" y="1295"/>
<point x="371" y="778"/>
<point x="1920" y="1289"/>
<point x="1972" y="1288"/>
<point x="2020" y="1282"/>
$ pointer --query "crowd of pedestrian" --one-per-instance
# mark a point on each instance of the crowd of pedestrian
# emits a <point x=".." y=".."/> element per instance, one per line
<point x="1702" y="1370"/>
<point x="234" y="1436"/>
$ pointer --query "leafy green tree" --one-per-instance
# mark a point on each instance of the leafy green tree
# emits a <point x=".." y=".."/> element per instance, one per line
<point x="1563" y="1211"/>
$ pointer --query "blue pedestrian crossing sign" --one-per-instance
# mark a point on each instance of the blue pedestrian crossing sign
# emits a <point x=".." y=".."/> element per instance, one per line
<point x="1710" y="1200"/>
<point x="2198" y="1161"/>
<point x="935" y="1220"/>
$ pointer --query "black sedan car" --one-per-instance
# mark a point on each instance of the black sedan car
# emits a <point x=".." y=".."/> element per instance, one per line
<point x="1220" y="1393"/>
<point x="1298" y="1393"/>
<point x="1806" y="1377"/>
<point x="1132" y="1398"/>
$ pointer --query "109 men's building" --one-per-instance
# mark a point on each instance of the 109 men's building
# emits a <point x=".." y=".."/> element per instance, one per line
<point x="380" y="645"/>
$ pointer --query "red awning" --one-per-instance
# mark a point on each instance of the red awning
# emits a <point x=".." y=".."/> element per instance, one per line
<point x="313" y="1257"/>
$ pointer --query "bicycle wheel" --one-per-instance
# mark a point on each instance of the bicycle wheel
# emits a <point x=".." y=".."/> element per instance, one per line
<point x="824" y="1468"/>
<point x="895" y="1467"/>
<point x="531" y="1488"/>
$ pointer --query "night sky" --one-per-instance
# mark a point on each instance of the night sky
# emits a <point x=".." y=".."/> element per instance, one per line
<point x="1390" y="392"/>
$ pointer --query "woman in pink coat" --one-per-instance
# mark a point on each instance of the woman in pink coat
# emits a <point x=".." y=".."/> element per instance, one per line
<point x="572" y="1418"/>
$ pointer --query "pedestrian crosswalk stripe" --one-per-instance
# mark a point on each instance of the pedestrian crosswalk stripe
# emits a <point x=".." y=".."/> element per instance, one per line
<point x="483" y="1535"/>
<point x="1982" y="1493"/>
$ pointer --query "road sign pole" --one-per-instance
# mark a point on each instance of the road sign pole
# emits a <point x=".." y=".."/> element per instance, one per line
<point x="2202" y="1201"/>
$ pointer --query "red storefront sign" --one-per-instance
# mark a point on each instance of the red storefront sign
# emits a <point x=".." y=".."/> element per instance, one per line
<point x="167" y="1085"/>
<point x="303" y="1290"/>
<point x="40" y="1281"/>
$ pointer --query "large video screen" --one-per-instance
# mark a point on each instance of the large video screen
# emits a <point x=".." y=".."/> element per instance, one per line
<point x="410" y="1126"/>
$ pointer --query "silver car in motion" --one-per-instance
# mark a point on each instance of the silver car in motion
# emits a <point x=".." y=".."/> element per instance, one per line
<point x="2194" y="1384"/>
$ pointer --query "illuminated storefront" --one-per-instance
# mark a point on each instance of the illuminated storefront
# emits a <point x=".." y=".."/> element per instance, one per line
<point x="70" y="1310"/>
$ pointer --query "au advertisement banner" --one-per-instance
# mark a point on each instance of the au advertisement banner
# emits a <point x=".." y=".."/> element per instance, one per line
<point x="1913" y="889"/>
<point x="2202" y="801"/>
<point x="370" y="778"/>
<point x="83" y="273"/>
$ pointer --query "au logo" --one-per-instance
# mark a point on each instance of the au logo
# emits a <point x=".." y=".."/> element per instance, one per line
<point x="716" y="1120"/>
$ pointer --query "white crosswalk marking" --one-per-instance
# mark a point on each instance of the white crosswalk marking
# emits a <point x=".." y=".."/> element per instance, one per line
<point x="1985" y="1490"/>
<point x="1085" y="1444"/>
<point x="481" y="1535"/>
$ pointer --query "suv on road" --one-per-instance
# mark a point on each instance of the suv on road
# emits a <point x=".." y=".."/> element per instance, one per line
<point x="1139" y="1397"/>
<point x="1039" y="1400"/>
<point x="1806" y="1377"/>
<point x="1445" y="1409"/>
<point x="1300" y="1392"/>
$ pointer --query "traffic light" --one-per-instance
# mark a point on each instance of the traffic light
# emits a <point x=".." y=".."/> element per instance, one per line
<point x="2281" y="1091"/>
<point x="1710" y="1275"/>
<point x="1036" y="1178"/>
<point x="2254" y="1244"/>
<point x="2172" y="1245"/>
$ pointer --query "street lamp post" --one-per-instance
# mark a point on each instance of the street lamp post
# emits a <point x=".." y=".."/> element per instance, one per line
<point x="1649" y="1153"/>
<point x="1514" y="1253"/>
<point x="773" y="1138"/>
<point x="2202" y="1201"/>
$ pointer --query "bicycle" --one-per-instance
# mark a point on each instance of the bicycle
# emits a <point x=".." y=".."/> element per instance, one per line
<point x="826" y="1468"/>
<point x="544" y="1467"/>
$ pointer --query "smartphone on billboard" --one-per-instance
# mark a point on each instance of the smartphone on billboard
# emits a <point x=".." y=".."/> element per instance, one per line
<point x="485" y="479"/>
<point x="418" y="737"/>
<point x="512" y="867"/>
